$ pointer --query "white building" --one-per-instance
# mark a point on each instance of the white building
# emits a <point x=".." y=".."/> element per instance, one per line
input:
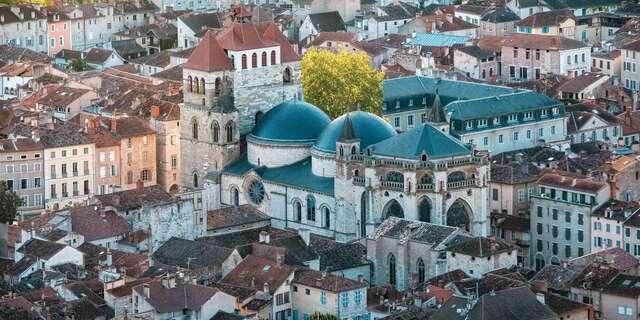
<point x="631" y="66"/>
<point x="23" y="26"/>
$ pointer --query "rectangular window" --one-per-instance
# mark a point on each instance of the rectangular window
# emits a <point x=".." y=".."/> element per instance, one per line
<point x="323" y="297"/>
<point x="345" y="300"/>
<point x="495" y="193"/>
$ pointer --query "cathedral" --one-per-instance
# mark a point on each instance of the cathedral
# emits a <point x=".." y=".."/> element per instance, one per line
<point x="246" y="133"/>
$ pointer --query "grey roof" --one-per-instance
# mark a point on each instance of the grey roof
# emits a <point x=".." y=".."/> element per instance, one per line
<point x="298" y="174"/>
<point x="424" y="139"/>
<point x="335" y="256"/>
<point x="41" y="249"/>
<point x="234" y="216"/>
<point x="557" y="277"/>
<point x="197" y="22"/>
<point x="499" y="105"/>
<point x="477" y="52"/>
<point x="64" y="135"/>
<point x="160" y="59"/>
<point x="193" y="254"/>
<point x="327" y="21"/>
<point x="512" y="304"/>
<point x="394" y="227"/>
<point x="500" y="14"/>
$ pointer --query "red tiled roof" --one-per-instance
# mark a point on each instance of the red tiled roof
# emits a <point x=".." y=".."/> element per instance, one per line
<point x="272" y="33"/>
<point x="571" y="182"/>
<point x="89" y="223"/>
<point x="253" y="272"/>
<point x="243" y="36"/>
<point x="241" y="11"/>
<point x="208" y="56"/>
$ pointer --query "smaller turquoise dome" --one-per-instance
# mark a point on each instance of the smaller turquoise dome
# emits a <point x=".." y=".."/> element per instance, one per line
<point x="368" y="127"/>
<point x="291" y="121"/>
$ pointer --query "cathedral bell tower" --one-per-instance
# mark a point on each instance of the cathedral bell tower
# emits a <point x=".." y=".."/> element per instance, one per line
<point x="436" y="116"/>
<point x="347" y="146"/>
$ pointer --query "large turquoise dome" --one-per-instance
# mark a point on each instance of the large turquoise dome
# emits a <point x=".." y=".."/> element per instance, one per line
<point x="368" y="127"/>
<point x="291" y="121"/>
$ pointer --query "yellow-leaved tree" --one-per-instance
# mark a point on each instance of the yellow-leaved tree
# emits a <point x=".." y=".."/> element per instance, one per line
<point x="341" y="82"/>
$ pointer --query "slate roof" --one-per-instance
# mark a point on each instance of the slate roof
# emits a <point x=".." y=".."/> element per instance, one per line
<point x="160" y="59"/>
<point x="616" y="257"/>
<point x="500" y="15"/>
<point x="327" y="21"/>
<point x="134" y="198"/>
<point x="475" y="9"/>
<point x="595" y="276"/>
<point x="89" y="223"/>
<point x="561" y="305"/>
<point x="177" y="252"/>
<point x="516" y="303"/>
<point x="329" y="282"/>
<point x="500" y="105"/>
<point x="480" y="247"/>
<point x="236" y="239"/>
<point x="298" y="174"/>
<point x="197" y="22"/>
<point x="254" y="272"/>
<point x="234" y="216"/>
<point x="335" y="256"/>
<point x="182" y="296"/>
<point x="424" y="139"/>
<point x="172" y="74"/>
<point x="394" y="227"/>
<point x="448" y="277"/>
<point x="511" y="222"/>
<point x="477" y="52"/>
<point x="514" y="173"/>
<point x="41" y="249"/>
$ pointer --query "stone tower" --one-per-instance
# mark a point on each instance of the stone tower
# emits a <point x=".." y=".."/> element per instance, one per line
<point x="347" y="147"/>
<point x="209" y="133"/>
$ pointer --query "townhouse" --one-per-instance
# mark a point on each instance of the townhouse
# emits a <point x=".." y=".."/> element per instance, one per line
<point x="587" y="123"/>
<point x="561" y="216"/>
<point x="475" y="62"/>
<point x="623" y="174"/>
<point x="23" y="26"/>
<point x="21" y="167"/>
<point x="551" y="23"/>
<point x="608" y="225"/>
<point x="66" y="102"/>
<point x="513" y="230"/>
<point x="608" y="63"/>
<point x="530" y="56"/>
<point x="107" y="160"/>
<point x="630" y="78"/>
<point x="59" y="31"/>
<point x="137" y="151"/>
<point x="498" y="22"/>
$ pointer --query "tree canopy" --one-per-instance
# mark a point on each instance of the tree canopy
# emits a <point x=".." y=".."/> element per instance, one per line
<point x="341" y="82"/>
<point x="78" y="65"/>
<point x="9" y="203"/>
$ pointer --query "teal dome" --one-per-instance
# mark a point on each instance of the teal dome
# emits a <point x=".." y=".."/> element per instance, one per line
<point x="367" y="127"/>
<point x="291" y="121"/>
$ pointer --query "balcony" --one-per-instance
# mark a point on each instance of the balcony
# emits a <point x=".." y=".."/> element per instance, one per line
<point x="358" y="181"/>
<point x="461" y="184"/>
<point x="424" y="187"/>
<point x="392" y="185"/>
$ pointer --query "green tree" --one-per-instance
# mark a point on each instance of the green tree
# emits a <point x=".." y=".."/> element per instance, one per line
<point x="9" y="203"/>
<point x="323" y="316"/>
<point x="78" y="65"/>
<point x="342" y="82"/>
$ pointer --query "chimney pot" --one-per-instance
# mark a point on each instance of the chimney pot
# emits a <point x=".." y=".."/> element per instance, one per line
<point x="265" y="287"/>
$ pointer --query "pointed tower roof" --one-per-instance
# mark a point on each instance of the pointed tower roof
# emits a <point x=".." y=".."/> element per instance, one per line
<point x="437" y="114"/>
<point x="208" y="56"/>
<point x="240" y="11"/>
<point x="347" y="133"/>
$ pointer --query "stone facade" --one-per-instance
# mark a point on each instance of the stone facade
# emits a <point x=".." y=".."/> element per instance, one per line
<point x="21" y="167"/>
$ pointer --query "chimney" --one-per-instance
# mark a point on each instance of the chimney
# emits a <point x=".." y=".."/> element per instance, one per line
<point x="265" y="287"/>
<point x="115" y="199"/>
<point x="305" y="234"/>
<point x="139" y="185"/>
<point x="155" y="112"/>
<point x="109" y="258"/>
<point x="35" y="135"/>
<point x="279" y="259"/>
<point x="147" y="291"/>
<point x="265" y="237"/>
<point x="114" y="125"/>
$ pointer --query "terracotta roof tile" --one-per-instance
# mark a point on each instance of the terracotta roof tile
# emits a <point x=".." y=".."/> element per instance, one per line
<point x="253" y="272"/>
<point x="94" y="226"/>
<point x="208" y="56"/>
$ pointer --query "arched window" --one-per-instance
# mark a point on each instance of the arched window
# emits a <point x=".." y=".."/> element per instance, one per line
<point x="202" y="85"/>
<point x="244" y="61"/>
<point x="426" y="179"/>
<point x="190" y="84"/>
<point x="264" y="58"/>
<point x="194" y="129"/>
<point x="391" y="263"/>
<point x="254" y="60"/>
<point x="353" y="149"/>
<point x="235" y="197"/>
<point x="311" y="208"/>
<point x="196" y="87"/>
<point x="129" y="177"/>
<point x="286" y="75"/>
<point x="218" y="87"/>
<point x="356" y="173"/>
<point x="395" y="176"/>
<point x="229" y="131"/>
<point x="215" y="131"/>
<point x="326" y="217"/>
<point x="297" y="211"/>
<point x="421" y="271"/>
<point x="195" y="179"/>
<point x="273" y="57"/>
<point x="456" y="176"/>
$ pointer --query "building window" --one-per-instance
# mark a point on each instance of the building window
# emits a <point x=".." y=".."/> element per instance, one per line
<point x="326" y="216"/>
<point x="323" y="297"/>
<point x="391" y="262"/>
<point x="421" y="271"/>
<point x="194" y="129"/>
<point x="244" y="61"/>
<point x="254" y="60"/>
<point x="273" y="57"/>
<point x="264" y="58"/>
<point x="311" y="208"/>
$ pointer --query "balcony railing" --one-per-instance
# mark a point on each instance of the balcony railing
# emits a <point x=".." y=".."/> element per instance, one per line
<point x="358" y="181"/>
<point x="392" y="185"/>
<point x="425" y="187"/>
<point x="461" y="184"/>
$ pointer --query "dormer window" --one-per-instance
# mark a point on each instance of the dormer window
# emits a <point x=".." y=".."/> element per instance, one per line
<point x="528" y="115"/>
<point x="410" y="102"/>
<point x="398" y="104"/>
<point x="555" y="110"/>
<point x="496" y="121"/>
<point x="544" y="112"/>
<point x="468" y="125"/>
<point x="482" y="123"/>
<point x="513" y="117"/>
<point x="424" y="100"/>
